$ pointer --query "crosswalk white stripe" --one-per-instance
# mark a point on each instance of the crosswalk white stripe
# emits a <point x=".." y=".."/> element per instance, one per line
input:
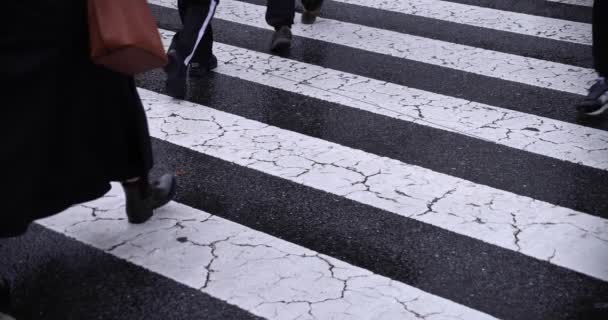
<point x="561" y="236"/>
<point x="540" y="73"/>
<point x="520" y="23"/>
<point x="544" y="136"/>
<point x="256" y="272"/>
<point x="584" y="3"/>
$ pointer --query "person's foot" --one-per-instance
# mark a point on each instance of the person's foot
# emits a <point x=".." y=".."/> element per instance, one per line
<point x="176" y="75"/>
<point x="198" y="70"/>
<point x="142" y="199"/>
<point x="281" y="39"/>
<point x="596" y="101"/>
<point x="310" y="16"/>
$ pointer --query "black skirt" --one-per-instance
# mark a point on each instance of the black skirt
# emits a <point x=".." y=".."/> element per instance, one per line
<point x="68" y="127"/>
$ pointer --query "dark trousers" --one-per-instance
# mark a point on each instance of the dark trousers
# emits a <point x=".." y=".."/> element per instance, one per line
<point x="194" y="42"/>
<point x="600" y="36"/>
<point x="281" y="12"/>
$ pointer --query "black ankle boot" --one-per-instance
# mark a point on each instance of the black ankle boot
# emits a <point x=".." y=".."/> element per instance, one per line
<point x="143" y="197"/>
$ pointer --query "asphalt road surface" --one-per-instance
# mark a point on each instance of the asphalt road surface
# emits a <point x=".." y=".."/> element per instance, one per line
<point x="406" y="159"/>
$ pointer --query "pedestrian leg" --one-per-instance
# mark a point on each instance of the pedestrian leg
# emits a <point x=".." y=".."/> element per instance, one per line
<point x="280" y="14"/>
<point x="204" y="60"/>
<point x="600" y="37"/>
<point x="193" y="40"/>
<point x="312" y="8"/>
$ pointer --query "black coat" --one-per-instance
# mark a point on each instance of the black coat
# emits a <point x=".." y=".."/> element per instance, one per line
<point x="68" y="127"/>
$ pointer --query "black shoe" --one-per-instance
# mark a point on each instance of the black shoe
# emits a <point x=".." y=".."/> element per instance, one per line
<point x="596" y="101"/>
<point x="310" y="16"/>
<point x="281" y="39"/>
<point x="198" y="70"/>
<point x="143" y="197"/>
<point x="176" y="75"/>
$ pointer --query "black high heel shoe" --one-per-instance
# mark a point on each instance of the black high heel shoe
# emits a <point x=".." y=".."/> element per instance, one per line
<point x="143" y="197"/>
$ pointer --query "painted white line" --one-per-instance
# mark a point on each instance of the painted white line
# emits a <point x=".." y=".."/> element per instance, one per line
<point x="548" y="137"/>
<point x="562" y="236"/>
<point x="256" y="272"/>
<point x="540" y="73"/>
<point x="585" y="3"/>
<point x="526" y="24"/>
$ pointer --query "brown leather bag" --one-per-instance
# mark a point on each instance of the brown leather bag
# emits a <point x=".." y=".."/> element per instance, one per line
<point x="124" y="37"/>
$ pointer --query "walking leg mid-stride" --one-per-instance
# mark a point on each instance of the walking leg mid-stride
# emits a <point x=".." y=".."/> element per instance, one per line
<point x="192" y="46"/>
<point x="280" y="15"/>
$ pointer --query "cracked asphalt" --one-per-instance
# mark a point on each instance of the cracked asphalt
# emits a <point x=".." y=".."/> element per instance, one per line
<point x="420" y="161"/>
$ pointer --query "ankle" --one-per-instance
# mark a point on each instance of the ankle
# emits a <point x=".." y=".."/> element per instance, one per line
<point x="139" y="185"/>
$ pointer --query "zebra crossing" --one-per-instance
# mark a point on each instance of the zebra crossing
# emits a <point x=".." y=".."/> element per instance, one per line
<point x="257" y="272"/>
<point x="487" y="18"/>
<point x="375" y="171"/>
<point x="485" y="122"/>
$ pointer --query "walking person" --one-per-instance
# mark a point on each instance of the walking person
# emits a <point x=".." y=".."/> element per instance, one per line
<point x="280" y="15"/>
<point x="191" y="47"/>
<point x="74" y="126"/>
<point x="596" y="101"/>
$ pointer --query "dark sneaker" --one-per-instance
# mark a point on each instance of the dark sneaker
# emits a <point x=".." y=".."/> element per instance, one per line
<point x="596" y="101"/>
<point x="176" y="75"/>
<point x="281" y="40"/>
<point x="309" y="17"/>
<point x="198" y="70"/>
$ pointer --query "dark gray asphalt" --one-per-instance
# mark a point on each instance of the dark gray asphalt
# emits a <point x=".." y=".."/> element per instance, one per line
<point x="497" y="281"/>
<point x="55" y="277"/>
<point x="493" y="91"/>
<point x="527" y="46"/>
<point x="536" y="7"/>
<point x="555" y="181"/>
